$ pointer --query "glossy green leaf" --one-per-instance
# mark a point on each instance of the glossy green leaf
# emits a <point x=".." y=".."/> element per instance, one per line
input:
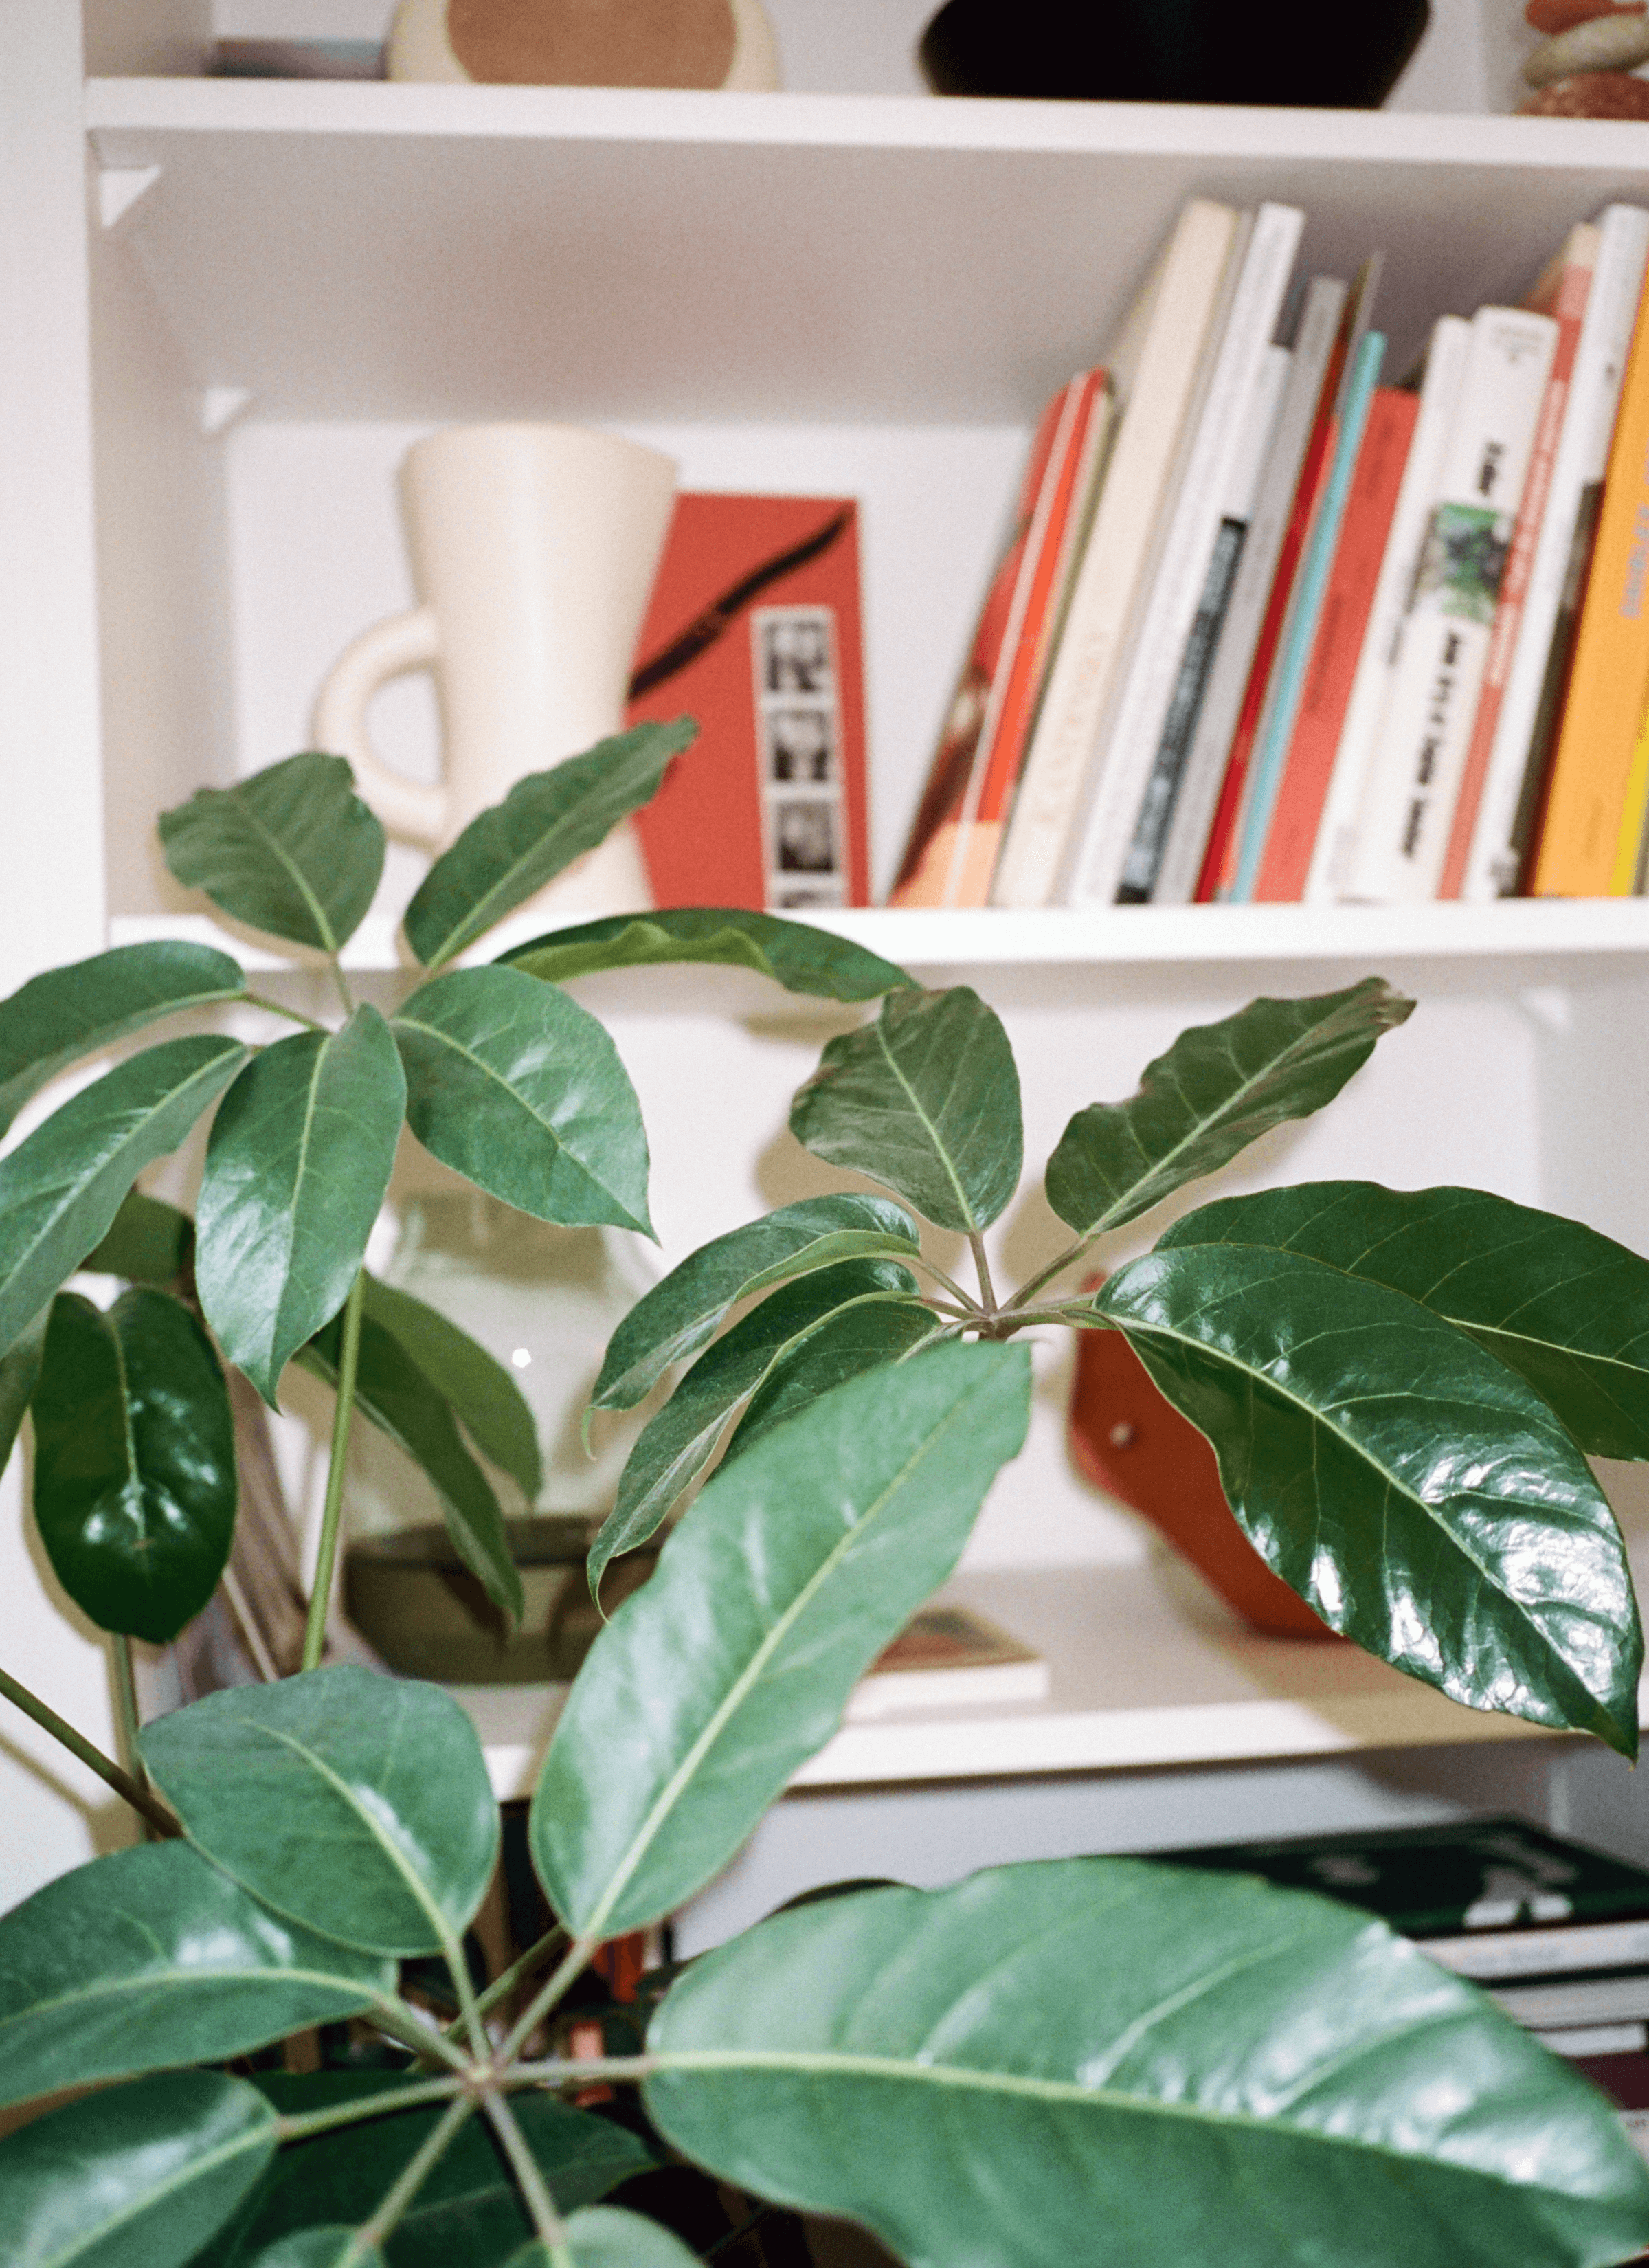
<point x="152" y="1958"/>
<point x="688" y="1306"/>
<point x="1094" y="2058"/>
<point x="319" y="2248"/>
<point x="467" y="2211"/>
<point x="676" y="1445"/>
<point x="1219" y="1087"/>
<point x="924" y="1100"/>
<point x="858" y="1337"/>
<point x="405" y="1404"/>
<point x="545" y="822"/>
<point x="138" y="2176"/>
<point x="20" y="1374"/>
<point x="135" y="1485"/>
<point x="356" y="1805"/>
<point x="794" y="955"/>
<point x="62" y="1187"/>
<point x="1414" y="1488"/>
<point x="297" y="1167"/>
<point x="482" y="1390"/>
<point x="1567" y="1309"/>
<point x="514" y="1086"/>
<point x="149" y="1242"/>
<point x="68" y="1012"/>
<point x="292" y="850"/>
<point x="734" y="1661"/>
<point x="608" y="2236"/>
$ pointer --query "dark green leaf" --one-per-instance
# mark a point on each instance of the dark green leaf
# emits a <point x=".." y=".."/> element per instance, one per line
<point x="134" y="1488"/>
<point x="1201" y="2068"/>
<point x="1409" y="1485"/>
<point x="514" y="1086"/>
<point x="468" y="2211"/>
<point x="1219" y="1087"/>
<point x="545" y="822"/>
<point x="61" y="1189"/>
<point x="854" y="1339"/>
<point x="72" y="1012"/>
<point x="676" y="1445"/>
<point x="357" y="1805"/>
<point x="734" y="1661"/>
<point x="138" y="2176"/>
<point x="794" y="955"/>
<point x="675" y="1318"/>
<point x="20" y="1374"/>
<point x="925" y="1100"/>
<point x="404" y="1403"/>
<point x="1567" y="1307"/>
<point x="150" y="1242"/>
<point x="296" y="1171"/>
<point x="151" y="1958"/>
<point x="292" y="850"/>
<point x="607" y="2236"/>
<point x="479" y="1388"/>
<point x="320" y="2248"/>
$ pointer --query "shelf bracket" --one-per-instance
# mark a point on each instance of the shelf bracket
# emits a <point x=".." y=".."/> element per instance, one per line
<point x="120" y="188"/>
<point x="220" y="406"/>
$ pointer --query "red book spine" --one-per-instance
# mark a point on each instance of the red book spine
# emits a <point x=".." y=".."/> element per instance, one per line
<point x="1338" y="645"/>
<point x="1569" y="310"/>
<point x="1222" y="837"/>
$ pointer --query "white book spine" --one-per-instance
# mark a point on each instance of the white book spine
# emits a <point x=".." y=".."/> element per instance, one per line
<point x="1595" y="387"/>
<point x="1421" y="481"/>
<point x="1130" y="736"/>
<point x="1415" y="774"/>
<point x="1079" y="683"/>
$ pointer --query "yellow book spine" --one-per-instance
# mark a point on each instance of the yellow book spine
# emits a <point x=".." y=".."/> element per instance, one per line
<point x="1589" y="811"/>
<point x="1628" y="849"/>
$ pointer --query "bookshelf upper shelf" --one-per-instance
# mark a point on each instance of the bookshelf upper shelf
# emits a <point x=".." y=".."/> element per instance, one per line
<point x="1513" y="934"/>
<point x="349" y="251"/>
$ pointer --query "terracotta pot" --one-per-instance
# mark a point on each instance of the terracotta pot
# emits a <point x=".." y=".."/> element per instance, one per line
<point x="1129" y="1441"/>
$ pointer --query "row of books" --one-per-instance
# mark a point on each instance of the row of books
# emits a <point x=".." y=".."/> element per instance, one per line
<point x="1556" y="1933"/>
<point x="1270" y="629"/>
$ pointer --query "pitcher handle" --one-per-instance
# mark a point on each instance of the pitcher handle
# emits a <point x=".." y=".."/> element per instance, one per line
<point x="389" y="648"/>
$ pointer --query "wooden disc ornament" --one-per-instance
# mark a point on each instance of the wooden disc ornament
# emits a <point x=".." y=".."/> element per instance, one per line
<point x="666" y="43"/>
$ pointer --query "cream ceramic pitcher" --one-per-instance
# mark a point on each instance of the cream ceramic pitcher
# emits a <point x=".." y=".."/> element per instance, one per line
<point x="533" y="549"/>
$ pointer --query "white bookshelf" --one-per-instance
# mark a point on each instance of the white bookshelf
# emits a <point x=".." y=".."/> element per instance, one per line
<point x="236" y="304"/>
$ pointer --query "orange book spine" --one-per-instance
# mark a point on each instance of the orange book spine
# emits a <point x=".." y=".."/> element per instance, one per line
<point x="1338" y="645"/>
<point x="1609" y="685"/>
<point x="1568" y="308"/>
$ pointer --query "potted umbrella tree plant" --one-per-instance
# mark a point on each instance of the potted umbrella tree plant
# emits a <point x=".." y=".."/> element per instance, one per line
<point x="1097" y="2059"/>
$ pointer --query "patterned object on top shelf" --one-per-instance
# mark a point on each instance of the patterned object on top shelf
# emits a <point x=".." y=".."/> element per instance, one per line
<point x="1586" y="66"/>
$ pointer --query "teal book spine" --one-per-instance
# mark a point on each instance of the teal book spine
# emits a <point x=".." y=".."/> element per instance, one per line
<point x="1271" y="755"/>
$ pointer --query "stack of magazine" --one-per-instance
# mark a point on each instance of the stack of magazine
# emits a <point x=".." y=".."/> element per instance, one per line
<point x="1270" y="627"/>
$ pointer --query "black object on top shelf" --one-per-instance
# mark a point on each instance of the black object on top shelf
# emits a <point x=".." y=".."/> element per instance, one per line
<point x="1290" y="53"/>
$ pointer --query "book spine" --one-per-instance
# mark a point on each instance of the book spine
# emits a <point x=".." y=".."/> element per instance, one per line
<point x="1112" y="561"/>
<point x="1332" y="853"/>
<point x="1414" y="779"/>
<point x="1271" y="745"/>
<point x="1027" y="671"/>
<point x="1605" y="707"/>
<point x="1204" y="766"/>
<point x="1156" y="811"/>
<point x="1134" y="728"/>
<point x="1338" y="648"/>
<point x="1568" y="310"/>
<point x="1524" y="732"/>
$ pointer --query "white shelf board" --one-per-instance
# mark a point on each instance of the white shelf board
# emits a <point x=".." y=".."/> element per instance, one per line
<point x="1515" y="931"/>
<point x="434" y="252"/>
<point x="1137" y="1681"/>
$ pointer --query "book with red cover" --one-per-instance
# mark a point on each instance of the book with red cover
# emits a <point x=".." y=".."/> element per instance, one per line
<point x="951" y="854"/>
<point x="753" y="630"/>
<point x="1338" y="645"/>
